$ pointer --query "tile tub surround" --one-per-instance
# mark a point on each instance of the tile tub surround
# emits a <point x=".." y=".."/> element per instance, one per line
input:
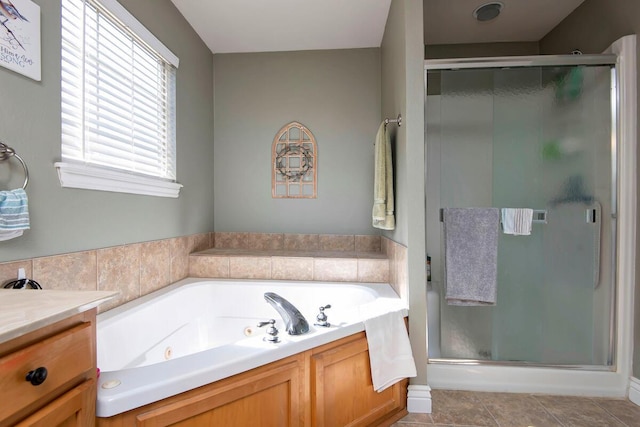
<point x="132" y="270"/>
<point x="312" y="257"/>
<point x="398" y="266"/>
<point x="139" y="268"/>
<point x="467" y="408"/>
<point x="297" y="242"/>
<point x="290" y="265"/>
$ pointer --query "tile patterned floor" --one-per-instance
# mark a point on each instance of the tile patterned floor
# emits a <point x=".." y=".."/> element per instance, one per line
<point x="475" y="409"/>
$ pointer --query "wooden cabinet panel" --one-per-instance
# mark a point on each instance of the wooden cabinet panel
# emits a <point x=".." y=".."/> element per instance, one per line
<point x="342" y="391"/>
<point x="65" y="356"/>
<point x="76" y="408"/>
<point x="329" y="386"/>
<point x="67" y="395"/>
<point x="267" y="396"/>
<point x="268" y="407"/>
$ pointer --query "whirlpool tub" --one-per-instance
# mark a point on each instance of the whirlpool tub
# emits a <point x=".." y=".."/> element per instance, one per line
<point x="198" y="331"/>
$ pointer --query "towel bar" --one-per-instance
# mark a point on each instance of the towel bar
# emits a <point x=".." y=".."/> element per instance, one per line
<point x="539" y="216"/>
<point x="397" y="120"/>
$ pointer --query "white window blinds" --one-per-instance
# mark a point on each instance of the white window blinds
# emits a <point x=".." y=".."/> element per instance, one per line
<point x="118" y="92"/>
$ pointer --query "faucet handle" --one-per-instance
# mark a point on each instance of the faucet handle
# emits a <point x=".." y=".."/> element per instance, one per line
<point x="322" y="317"/>
<point x="272" y="332"/>
<point x="266" y="322"/>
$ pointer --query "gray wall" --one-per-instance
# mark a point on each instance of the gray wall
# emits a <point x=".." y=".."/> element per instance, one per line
<point x="403" y="92"/>
<point x="478" y="50"/>
<point x="67" y="220"/>
<point x="592" y="27"/>
<point x="336" y="95"/>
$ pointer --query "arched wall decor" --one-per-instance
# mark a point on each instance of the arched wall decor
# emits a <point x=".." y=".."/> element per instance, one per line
<point x="294" y="163"/>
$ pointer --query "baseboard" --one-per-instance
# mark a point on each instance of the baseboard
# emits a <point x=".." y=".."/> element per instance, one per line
<point x="419" y="399"/>
<point x="634" y="391"/>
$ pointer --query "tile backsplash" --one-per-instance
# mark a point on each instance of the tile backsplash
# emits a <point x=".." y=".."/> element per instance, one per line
<point x="140" y="268"/>
<point x="133" y="270"/>
<point x="293" y="242"/>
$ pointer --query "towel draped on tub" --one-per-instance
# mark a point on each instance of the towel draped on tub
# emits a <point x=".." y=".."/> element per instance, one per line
<point x="471" y="255"/>
<point x="390" y="352"/>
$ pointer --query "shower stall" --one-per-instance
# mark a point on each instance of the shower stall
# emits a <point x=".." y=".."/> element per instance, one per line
<point x="538" y="133"/>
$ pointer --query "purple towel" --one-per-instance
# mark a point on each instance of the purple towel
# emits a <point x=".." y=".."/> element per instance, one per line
<point x="471" y="255"/>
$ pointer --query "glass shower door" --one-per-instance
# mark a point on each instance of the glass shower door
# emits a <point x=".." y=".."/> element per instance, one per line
<point x="539" y="138"/>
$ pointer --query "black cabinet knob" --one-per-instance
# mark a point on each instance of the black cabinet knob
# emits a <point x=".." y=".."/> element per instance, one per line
<point x="37" y="376"/>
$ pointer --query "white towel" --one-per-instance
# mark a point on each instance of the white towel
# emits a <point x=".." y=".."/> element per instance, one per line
<point x="517" y="221"/>
<point x="8" y="235"/>
<point x="383" y="203"/>
<point x="14" y="213"/>
<point x="389" y="350"/>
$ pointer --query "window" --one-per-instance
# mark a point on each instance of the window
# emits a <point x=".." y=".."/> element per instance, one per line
<point x="118" y="102"/>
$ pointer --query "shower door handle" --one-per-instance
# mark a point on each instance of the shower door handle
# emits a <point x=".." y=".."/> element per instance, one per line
<point x="594" y="217"/>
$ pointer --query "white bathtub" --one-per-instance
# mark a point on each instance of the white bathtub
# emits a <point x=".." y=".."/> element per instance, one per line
<point x="198" y="331"/>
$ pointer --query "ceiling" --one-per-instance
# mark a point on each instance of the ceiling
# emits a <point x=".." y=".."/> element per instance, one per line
<point x="284" y="25"/>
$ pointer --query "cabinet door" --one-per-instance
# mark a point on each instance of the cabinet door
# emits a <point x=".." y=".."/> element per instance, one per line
<point x="67" y="356"/>
<point x="269" y="398"/>
<point x="76" y="408"/>
<point x="342" y="391"/>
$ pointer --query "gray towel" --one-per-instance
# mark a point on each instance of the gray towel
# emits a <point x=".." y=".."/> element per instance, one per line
<point x="471" y="255"/>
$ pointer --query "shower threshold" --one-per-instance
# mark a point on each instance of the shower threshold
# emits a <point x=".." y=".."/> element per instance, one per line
<point x="520" y="363"/>
<point x="527" y="377"/>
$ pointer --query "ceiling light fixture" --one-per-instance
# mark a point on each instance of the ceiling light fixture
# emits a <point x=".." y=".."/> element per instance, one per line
<point x="488" y="11"/>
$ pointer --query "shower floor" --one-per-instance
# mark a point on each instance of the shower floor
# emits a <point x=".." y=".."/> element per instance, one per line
<point x="471" y="409"/>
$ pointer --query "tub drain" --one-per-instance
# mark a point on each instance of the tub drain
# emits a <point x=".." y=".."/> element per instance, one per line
<point x="168" y="352"/>
<point x="248" y="331"/>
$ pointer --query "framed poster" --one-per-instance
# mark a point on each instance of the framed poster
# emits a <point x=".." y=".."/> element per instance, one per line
<point x="20" y="37"/>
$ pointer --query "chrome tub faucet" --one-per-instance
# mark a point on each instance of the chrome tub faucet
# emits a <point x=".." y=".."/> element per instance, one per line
<point x="294" y="321"/>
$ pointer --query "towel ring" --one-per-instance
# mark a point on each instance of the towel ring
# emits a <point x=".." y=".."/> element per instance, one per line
<point x="6" y="152"/>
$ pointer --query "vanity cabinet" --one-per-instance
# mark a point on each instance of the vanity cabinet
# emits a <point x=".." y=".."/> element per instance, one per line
<point x="329" y="386"/>
<point x="48" y="376"/>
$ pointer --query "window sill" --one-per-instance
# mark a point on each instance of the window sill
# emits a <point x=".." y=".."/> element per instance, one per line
<point x="73" y="175"/>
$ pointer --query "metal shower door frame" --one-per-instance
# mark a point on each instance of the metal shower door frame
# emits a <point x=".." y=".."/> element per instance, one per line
<point x="508" y="62"/>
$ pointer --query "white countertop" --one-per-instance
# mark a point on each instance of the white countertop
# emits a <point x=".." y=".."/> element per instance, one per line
<point x="25" y="310"/>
